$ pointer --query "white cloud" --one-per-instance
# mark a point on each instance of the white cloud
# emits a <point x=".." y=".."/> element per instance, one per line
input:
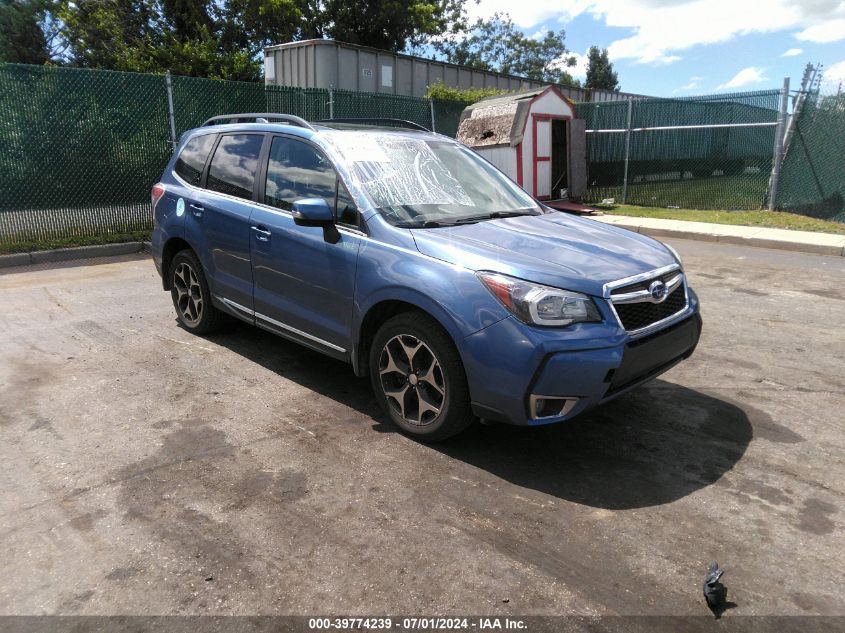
<point x="693" y="84"/>
<point x="745" y="77"/>
<point x="665" y="60"/>
<point x="579" y="70"/>
<point x="833" y="75"/>
<point x="824" y="32"/>
<point x="793" y="52"/>
<point x="526" y="15"/>
<point x="662" y="29"/>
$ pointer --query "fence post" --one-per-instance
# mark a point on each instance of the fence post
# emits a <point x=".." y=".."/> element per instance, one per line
<point x="627" y="151"/>
<point x="777" y="157"/>
<point x="168" y="82"/>
<point x="331" y="102"/>
<point x="431" y="108"/>
<point x="807" y="82"/>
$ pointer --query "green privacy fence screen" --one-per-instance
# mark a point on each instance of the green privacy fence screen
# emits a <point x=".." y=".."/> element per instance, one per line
<point x="712" y="152"/>
<point x="812" y="178"/>
<point x="80" y="148"/>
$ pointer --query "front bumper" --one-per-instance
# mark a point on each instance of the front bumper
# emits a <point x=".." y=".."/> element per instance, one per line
<point x="650" y="356"/>
<point x="507" y="363"/>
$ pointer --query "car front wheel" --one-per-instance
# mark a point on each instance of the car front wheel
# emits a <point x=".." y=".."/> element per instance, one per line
<point x="418" y="378"/>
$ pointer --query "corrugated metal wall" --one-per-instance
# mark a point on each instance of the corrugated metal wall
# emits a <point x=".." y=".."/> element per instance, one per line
<point x="330" y="64"/>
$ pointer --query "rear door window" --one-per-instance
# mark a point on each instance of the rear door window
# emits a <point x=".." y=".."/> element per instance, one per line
<point x="232" y="169"/>
<point x="192" y="158"/>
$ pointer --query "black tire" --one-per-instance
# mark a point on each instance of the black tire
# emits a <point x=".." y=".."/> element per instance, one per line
<point x="439" y="378"/>
<point x="194" y="309"/>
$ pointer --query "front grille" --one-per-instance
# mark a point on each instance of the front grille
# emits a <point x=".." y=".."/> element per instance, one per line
<point x="643" y="285"/>
<point x="635" y="316"/>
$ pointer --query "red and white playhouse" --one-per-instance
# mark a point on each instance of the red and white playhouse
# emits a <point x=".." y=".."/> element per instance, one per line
<point x="533" y="137"/>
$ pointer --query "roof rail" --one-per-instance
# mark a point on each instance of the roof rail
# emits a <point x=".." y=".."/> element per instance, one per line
<point x="378" y="121"/>
<point x="258" y="117"/>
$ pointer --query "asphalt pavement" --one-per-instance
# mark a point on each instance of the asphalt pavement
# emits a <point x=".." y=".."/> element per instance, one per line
<point x="147" y="471"/>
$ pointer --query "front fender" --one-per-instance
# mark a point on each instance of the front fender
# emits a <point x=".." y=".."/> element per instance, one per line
<point x="441" y="314"/>
<point x="451" y="294"/>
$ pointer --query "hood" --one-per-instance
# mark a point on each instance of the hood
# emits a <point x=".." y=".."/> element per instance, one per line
<point x="555" y="249"/>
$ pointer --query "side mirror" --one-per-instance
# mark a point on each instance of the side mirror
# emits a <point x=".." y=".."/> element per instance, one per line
<point x="312" y="212"/>
<point x="316" y="212"/>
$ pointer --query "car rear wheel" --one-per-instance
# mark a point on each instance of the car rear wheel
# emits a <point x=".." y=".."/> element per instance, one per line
<point x="418" y="378"/>
<point x="190" y="294"/>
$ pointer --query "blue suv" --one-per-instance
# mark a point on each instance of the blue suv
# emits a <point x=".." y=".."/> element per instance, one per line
<point x="407" y="255"/>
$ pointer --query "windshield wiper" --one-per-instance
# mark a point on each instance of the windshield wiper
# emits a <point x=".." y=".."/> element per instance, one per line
<point x="495" y="215"/>
<point x="471" y="219"/>
<point x="428" y="224"/>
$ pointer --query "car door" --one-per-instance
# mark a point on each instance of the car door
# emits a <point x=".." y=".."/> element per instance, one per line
<point x="303" y="284"/>
<point x="219" y="218"/>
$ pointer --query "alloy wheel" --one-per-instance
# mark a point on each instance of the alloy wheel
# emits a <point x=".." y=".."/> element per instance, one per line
<point x="189" y="300"/>
<point x="412" y="380"/>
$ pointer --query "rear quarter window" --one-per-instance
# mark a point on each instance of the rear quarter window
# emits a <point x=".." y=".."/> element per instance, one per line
<point x="232" y="169"/>
<point x="192" y="158"/>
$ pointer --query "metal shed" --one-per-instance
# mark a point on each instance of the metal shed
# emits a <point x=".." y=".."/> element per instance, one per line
<point x="532" y="136"/>
<point x="332" y="64"/>
<point x="328" y="64"/>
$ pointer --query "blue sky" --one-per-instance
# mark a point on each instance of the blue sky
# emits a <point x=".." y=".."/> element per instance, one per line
<point x="671" y="48"/>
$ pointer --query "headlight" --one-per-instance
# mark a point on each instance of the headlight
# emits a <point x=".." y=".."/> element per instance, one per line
<point x="675" y="255"/>
<point x="536" y="304"/>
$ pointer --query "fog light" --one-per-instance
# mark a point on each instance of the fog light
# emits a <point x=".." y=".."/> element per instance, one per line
<point x="550" y="406"/>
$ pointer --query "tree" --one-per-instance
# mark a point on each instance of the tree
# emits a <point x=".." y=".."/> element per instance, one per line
<point x="190" y="19"/>
<point x="393" y="25"/>
<point x="498" y="45"/>
<point x="202" y="39"/>
<point x="600" y="73"/>
<point x="225" y="38"/>
<point x="114" y="35"/>
<point x="209" y="38"/>
<point x="22" y="36"/>
<point x="250" y="25"/>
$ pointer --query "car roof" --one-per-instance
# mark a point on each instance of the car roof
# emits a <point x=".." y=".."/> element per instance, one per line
<point x="317" y="129"/>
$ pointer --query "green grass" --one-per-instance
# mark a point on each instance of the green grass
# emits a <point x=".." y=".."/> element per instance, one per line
<point x="746" y="191"/>
<point x="26" y="246"/>
<point x="769" y="219"/>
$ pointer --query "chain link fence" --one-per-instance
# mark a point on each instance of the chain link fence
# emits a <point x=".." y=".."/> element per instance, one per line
<point x="80" y="148"/>
<point x="812" y="180"/>
<point x="447" y="116"/>
<point x="711" y="152"/>
<point x="368" y="105"/>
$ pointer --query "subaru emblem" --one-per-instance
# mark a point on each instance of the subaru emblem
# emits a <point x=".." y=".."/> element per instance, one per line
<point x="658" y="292"/>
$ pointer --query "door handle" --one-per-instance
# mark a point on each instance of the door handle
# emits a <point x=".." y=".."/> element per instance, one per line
<point x="261" y="233"/>
<point x="197" y="209"/>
